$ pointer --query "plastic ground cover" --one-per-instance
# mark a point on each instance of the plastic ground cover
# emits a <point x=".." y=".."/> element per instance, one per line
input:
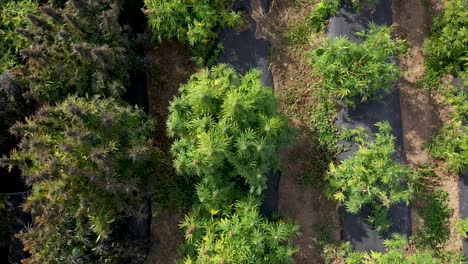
<point x="243" y="52"/>
<point x="355" y="228"/>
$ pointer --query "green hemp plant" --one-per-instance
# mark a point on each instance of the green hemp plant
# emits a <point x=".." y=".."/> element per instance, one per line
<point x="192" y="22"/>
<point x="396" y="252"/>
<point x="372" y="178"/>
<point x="13" y="15"/>
<point x="451" y="143"/>
<point x="227" y="130"/>
<point x="351" y="70"/>
<point x="238" y="235"/>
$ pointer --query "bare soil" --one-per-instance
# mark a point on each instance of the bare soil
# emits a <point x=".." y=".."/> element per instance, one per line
<point x="167" y="66"/>
<point x="299" y="199"/>
<point x="421" y="115"/>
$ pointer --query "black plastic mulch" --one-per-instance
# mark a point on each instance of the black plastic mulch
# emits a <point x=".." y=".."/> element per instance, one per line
<point x="463" y="185"/>
<point x="243" y="52"/>
<point x="355" y="227"/>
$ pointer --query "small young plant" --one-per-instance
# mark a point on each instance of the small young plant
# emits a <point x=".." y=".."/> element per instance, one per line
<point x="321" y="13"/>
<point x="227" y="130"/>
<point x="238" y="235"/>
<point x="396" y="252"/>
<point x="190" y="21"/>
<point x="372" y="178"/>
<point x="462" y="227"/>
<point x="363" y="70"/>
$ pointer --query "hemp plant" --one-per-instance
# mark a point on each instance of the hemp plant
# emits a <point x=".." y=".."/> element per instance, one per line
<point x="227" y="130"/>
<point x="192" y="22"/>
<point x="363" y="70"/>
<point x="372" y="178"/>
<point x="445" y="50"/>
<point x="78" y="50"/>
<point x="87" y="162"/>
<point x="238" y="235"/>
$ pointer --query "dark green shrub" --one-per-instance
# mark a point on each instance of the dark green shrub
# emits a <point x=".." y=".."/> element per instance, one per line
<point x="326" y="9"/>
<point x="238" y="235"/>
<point x="445" y="51"/>
<point x="190" y="21"/>
<point x="436" y="228"/>
<point x="227" y="129"/>
<point x="81" y="49"/>
<point x="352" y="70"/>
<point x="371" y="177"/>
<point x="88" y="163"/>
<point x="13" y="14"/>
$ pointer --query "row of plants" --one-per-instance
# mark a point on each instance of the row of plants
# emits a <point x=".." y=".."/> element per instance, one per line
<point x="446" y="54"/>
<point x="359" y="72"/>
<point x="90" y="158"/>
<point x="227" y="130"/>
<point x="86" y="154"/>
<point x="445" y="49"/>
<point x="398" y="250"/>
<point x="371" y="178"/>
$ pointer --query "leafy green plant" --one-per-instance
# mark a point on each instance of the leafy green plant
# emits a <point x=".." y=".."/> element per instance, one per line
<point x="322" y="12"/>
<point x="396" y="252"/>
<point x="363" y="70"/>
<point x="326" y="9"/>
<point x="371" y="177"/>
<point x="445" y="50"/>
<point x="436" y="228"/>
<point x="238" y="235"/>
<point x="12" y="109"/>
<point x="451" y="143"/>
<point x="88" y="162"/>
<point x="462" y="227"/>
<point x="13" y="14"/>
<point x="227" y="130"/>
<point x="190" y="21"/>
<point x="81" y="49"/>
